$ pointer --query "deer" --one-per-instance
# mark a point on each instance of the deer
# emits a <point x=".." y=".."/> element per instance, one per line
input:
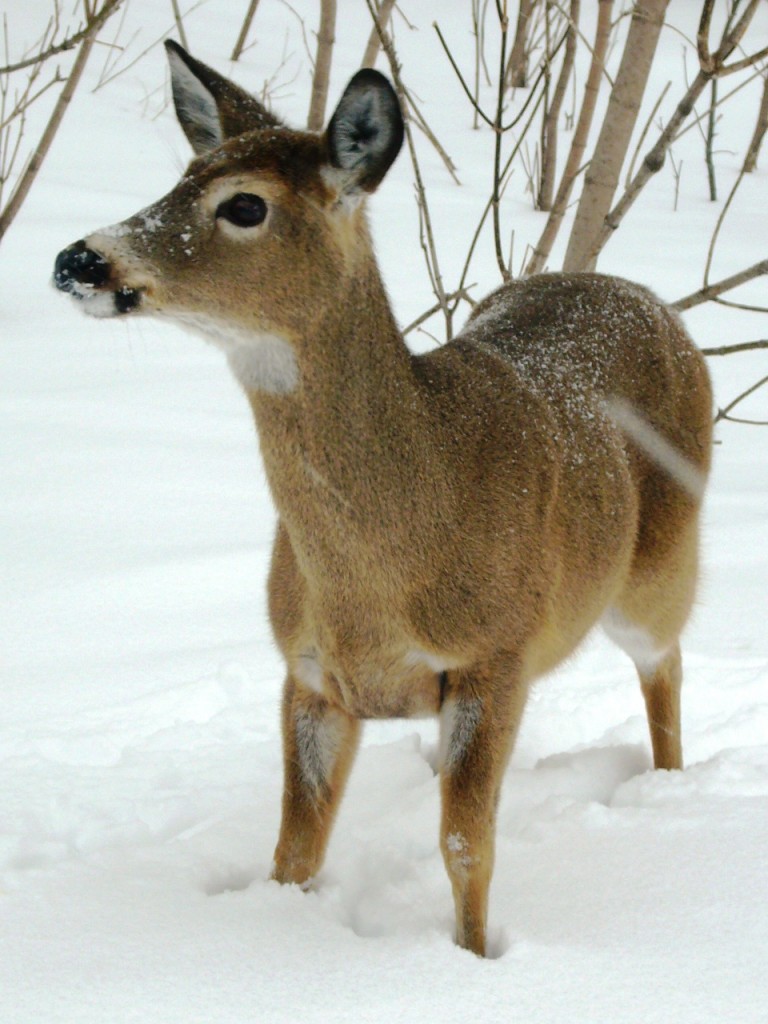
<point x="450" y="525"/>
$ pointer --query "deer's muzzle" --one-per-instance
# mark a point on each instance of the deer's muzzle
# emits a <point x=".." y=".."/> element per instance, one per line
<point x="86" y="274"/>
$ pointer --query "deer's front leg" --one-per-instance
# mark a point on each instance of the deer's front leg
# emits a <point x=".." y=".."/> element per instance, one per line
<point x="319" y="744"/>
<point x="478" y="724"/>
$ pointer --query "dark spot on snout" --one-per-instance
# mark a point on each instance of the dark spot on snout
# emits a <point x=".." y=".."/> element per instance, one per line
<point x="79" y="265"/>
<point x="126" y="299"/>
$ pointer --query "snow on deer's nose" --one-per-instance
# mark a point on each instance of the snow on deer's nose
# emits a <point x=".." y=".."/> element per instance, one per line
<point x="85" y="274"/>
<point x="78" y="268"/>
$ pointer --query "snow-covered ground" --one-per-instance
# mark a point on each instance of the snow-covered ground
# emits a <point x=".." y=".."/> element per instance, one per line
<point x="139" y="743"/>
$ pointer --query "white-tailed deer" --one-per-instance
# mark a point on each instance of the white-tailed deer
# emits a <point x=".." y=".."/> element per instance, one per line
<point x="451" y="525"/>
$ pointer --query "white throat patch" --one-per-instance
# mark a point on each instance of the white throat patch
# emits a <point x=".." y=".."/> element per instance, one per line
<point x="260" y="360"/>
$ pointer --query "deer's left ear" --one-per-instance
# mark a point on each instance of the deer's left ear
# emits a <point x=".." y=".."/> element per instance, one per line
<point x="366" y="131"/>
<point x="209" y="107"/>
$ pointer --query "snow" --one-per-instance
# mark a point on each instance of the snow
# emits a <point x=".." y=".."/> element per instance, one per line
<point x="139" y="743"/>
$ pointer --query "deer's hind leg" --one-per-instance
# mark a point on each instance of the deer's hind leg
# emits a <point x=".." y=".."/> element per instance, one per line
<point x="646" y="621"/>
<point x="319" y="745"/>
<point x="661" y="690"/>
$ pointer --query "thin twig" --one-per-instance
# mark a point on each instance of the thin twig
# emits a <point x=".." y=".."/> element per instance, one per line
<point x="126" y="67"/>
<point x="475" y="105"/>
<point x="421" y="124"/>
<point x="750" y="161"/>
<point x="512" y="156"/>
<point x="720" y="220"/>
<point x="498" y="130"/>
<point x="538" y="80"/>
<point x="710" y="144"/>
<point x="244" y="30"/>
<point x="722" y="414"/>
<point x="746" y="306"/>
<point x="696" y="121"/>
<point x="644" y="132"/>
<point x="711" y="291"/>
<point x="433" y="264"/>
<point x="727" y="350"/>
<point x="26" y="101"/>
<point x="27" y="178"/>
<point x="383" y="10"/>
<point x="179" y="24"/>
<point x="93" y="24"/>
<point x="461" y="293"/>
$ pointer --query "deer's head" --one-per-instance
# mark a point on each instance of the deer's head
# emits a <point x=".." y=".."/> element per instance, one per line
<point x="262" y="230"/>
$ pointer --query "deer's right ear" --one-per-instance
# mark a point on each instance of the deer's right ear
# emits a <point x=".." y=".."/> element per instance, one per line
<point x="209" y="107"/>
<point x="366" y="131"/>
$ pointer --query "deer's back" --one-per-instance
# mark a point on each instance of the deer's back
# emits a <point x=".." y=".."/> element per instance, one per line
<point x="569" y="347"/>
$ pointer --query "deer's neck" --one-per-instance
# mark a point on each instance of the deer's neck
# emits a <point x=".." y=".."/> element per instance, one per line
<point x="343" y="448"/>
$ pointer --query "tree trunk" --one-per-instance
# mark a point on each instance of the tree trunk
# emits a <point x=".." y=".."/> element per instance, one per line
<point x="552" y="116"/>
<point x="517" y="68"/>
<point x="750" y="163"/>
<point x="575" y="159"/>
<point x="611" y="148"/>
<point x="325" y="41"/>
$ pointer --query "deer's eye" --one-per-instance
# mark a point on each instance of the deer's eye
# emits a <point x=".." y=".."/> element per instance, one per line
<point x="243" y="209"/>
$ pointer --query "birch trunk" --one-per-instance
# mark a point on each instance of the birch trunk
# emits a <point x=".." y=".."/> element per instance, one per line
<point x="610" y="151"/>
<point x="325" y="41"/>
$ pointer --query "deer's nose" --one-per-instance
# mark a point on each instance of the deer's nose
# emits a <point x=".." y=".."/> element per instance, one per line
<point x="79" y="265"/>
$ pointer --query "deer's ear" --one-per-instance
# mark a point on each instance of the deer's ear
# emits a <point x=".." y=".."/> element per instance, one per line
<point x="366" y="131"/>
<point x="209" y="107"/>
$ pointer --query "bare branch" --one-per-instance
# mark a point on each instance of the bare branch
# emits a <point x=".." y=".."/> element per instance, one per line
<point x="723" y="414"/>
<point x="711" y="291"/>
<point x="727" y="350"/>
<point x="460" y="294"/>
<point x="709" y="145"/>
<point x="644" y="132"/>
<point x="384" y="9"/>
<point x="733" y="37"/>
<point x="179" y="24"/>
<point x="719" y="224"/>
<point x="721" y="100"/>
<point x="745" y="62"/>
<point x="245" y="29"/>
<point x="497" y="127"/>
<point x="421" y="124"/>
<point x="738" y="419"/>
<point x="92" y="26"/>
<point x="702" y="36"/>
<point x="750" y="161"/>
<point x="25" y="102"/>
<point x="25" y="182"/>
<point x="105" y="78"/>
<point x="475" y="105"/>
<point x="433" y="265"/>
<point x="505" y="170"/>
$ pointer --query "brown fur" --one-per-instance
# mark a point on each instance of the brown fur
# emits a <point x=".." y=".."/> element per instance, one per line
<point x="451" y="525"/>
